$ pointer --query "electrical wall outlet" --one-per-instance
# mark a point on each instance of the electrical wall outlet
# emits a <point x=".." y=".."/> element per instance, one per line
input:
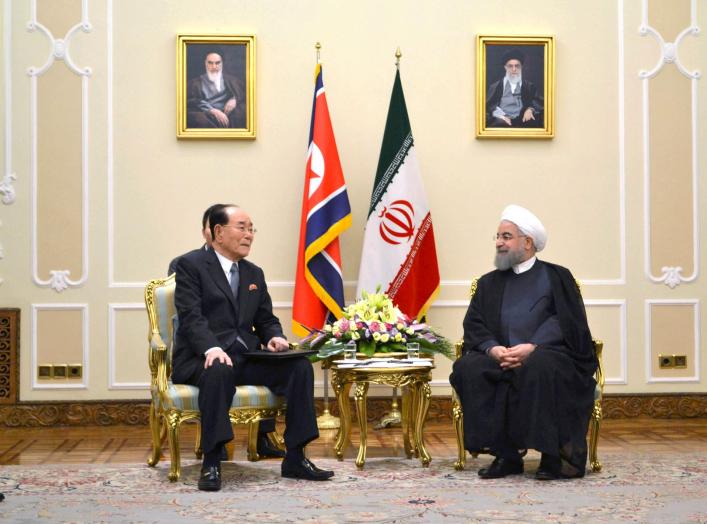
<point x="60" y="370"/>
<point x="666" y="361"/>
<point x="45" y="371"/>
<point x="75" y="370"/>
<point x="672" y="361"/>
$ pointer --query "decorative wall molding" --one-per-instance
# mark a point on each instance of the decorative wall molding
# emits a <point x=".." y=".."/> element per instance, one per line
<point x="671" y="275"/>
<point x="9" y="355"/>
<point x="7" y="189"/>
<point x="85" y="349"/>
<point x="678" y="405"/>
<point x="60" y="50"/>
<point x="622" y="377"/>
<point x="112" y="353"/>
<point x="695" y="303"/>
<point x="136" y="413"/>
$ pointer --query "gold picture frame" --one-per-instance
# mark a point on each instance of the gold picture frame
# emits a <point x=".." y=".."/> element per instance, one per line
<point x="216" y="86"/>
<point x="499" y="58"/>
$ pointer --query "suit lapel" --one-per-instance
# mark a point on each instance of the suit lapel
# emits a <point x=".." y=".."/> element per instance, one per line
<point x="219" y="277"/>
<point x="243" y="288"/>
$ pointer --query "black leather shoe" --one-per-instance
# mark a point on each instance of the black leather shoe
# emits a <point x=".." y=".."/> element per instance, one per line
<point x="267" y="449"/>
<point x="550" y="468"/>
<point x="210" y="478"/>
<point x="500" y="468"/>
<point x="304" y="470"/>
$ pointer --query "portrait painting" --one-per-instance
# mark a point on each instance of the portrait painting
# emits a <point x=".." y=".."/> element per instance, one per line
<point x="216" y="86"/>
<point x="515" y="87"/>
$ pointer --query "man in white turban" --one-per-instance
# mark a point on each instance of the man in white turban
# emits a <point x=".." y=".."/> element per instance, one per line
<point x="526" y="376"/>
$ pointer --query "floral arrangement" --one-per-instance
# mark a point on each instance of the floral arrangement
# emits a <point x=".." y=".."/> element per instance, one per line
<point x="377" y="326"/>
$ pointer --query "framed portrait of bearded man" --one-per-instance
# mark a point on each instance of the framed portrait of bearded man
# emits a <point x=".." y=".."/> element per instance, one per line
<point x="515" y="86"/>
<point x="216" y="86"/>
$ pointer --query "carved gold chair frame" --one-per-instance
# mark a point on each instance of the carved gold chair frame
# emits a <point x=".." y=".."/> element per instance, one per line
<point x="173" y="404"/>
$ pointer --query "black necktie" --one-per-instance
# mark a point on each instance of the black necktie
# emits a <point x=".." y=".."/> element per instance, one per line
<point x="235" y="279"/>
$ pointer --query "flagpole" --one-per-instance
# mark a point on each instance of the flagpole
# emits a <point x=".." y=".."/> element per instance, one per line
<point x="326" y="420"/>
<point x="393" y="417"/>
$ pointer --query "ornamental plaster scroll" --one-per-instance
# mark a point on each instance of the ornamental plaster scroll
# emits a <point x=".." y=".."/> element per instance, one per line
<point x="671" y="275"/>
<point x="60" y="49"/>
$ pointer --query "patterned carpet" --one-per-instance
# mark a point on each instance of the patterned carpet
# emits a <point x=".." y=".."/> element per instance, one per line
<point x="640" y="489"/>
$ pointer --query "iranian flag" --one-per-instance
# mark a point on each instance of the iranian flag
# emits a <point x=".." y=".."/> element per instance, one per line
<point x="399" y="252"/>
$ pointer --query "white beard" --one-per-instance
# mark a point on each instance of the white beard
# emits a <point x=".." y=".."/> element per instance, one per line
<point x="216" y="79"/>
<point x="514" y="80"/>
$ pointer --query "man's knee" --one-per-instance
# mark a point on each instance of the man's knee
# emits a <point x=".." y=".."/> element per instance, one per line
<point x="302" y="367"/>
<point x="468" y="367"/>
<point x="540" y="365"/>
<point x="217" y="373"/>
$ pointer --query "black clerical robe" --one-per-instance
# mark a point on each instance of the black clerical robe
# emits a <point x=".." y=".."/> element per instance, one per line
<point x="545" y="404"/>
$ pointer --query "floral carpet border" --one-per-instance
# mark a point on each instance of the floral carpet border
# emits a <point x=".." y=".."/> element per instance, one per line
<point x="109" y="413"/>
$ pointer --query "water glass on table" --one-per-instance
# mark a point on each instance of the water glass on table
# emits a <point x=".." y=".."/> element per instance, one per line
<point x="413" y="349"/>
<point x="350" y="350"/>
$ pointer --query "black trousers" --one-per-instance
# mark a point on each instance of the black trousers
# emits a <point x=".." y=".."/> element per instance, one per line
<point x="545" y="405"/>
<point x="292" y="378"/>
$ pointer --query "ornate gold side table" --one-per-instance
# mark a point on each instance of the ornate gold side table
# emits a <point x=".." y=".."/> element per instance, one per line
<point x="414" y="381"/>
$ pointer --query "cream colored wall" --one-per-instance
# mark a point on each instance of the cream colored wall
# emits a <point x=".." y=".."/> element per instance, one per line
<point x="147" y="190"/>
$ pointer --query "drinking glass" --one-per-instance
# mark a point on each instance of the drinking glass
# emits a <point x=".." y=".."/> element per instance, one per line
<point x="350" y="350"/>
<point x="413" y="350"/>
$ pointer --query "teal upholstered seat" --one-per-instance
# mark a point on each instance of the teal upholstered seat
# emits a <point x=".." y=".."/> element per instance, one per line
<point x="173" y="404"/>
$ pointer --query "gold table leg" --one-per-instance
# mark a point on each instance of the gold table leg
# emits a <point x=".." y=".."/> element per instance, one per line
<point x="423" y="394"/>
<point x="405" y="419"/>
<point x="360" y="396"/>
<point x="344" y="433"/>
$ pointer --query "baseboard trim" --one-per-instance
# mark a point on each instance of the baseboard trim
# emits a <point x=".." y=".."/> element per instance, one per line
<point x="135" y="413"/>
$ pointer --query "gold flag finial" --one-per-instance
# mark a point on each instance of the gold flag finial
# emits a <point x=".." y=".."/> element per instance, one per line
<point x="398" y="54"/>
<point x="317" y="46"/>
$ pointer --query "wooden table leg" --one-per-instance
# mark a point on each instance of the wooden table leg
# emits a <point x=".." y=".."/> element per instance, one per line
<point x="344" y="434"/>
<point x="360" y="395"/>
<point x="423" y="394"/>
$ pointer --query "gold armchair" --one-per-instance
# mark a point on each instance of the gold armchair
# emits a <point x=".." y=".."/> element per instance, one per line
<point x="594" y="422"/>
<point x="173" y="404"/>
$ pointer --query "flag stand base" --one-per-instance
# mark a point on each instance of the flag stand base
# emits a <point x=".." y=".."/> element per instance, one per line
<point x="328" y="421"/>
<point x="393" y="417"/>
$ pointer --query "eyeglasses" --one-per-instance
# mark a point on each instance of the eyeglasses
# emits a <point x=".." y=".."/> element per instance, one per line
<point x="251" y="230"/>
<point x="505" y="237"/>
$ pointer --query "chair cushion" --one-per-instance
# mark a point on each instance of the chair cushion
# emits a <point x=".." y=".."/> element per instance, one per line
<point x="185" y="397"/>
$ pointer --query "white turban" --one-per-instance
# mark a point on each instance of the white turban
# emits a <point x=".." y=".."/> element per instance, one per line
<point x="528" y="224"/>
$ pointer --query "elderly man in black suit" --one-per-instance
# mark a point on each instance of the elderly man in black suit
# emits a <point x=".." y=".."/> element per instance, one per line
<point x="265" y="447"/>
<point x="225" y="311"/>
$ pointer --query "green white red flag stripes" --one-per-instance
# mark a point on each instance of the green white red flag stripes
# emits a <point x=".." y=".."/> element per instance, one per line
<point x="399" y="253"/>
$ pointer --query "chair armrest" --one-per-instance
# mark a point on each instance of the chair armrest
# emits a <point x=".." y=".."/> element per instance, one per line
<point x="458" y="347"/>
<point x="598" y="347"/>
<point x="158" y="361"/>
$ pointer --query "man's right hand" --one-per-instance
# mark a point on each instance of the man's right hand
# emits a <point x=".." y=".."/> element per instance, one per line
<point x="497" y="353"/>
<point x="220" y="116"/>
<point x="507" y="121"/>
<point x="217" y="354"/>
